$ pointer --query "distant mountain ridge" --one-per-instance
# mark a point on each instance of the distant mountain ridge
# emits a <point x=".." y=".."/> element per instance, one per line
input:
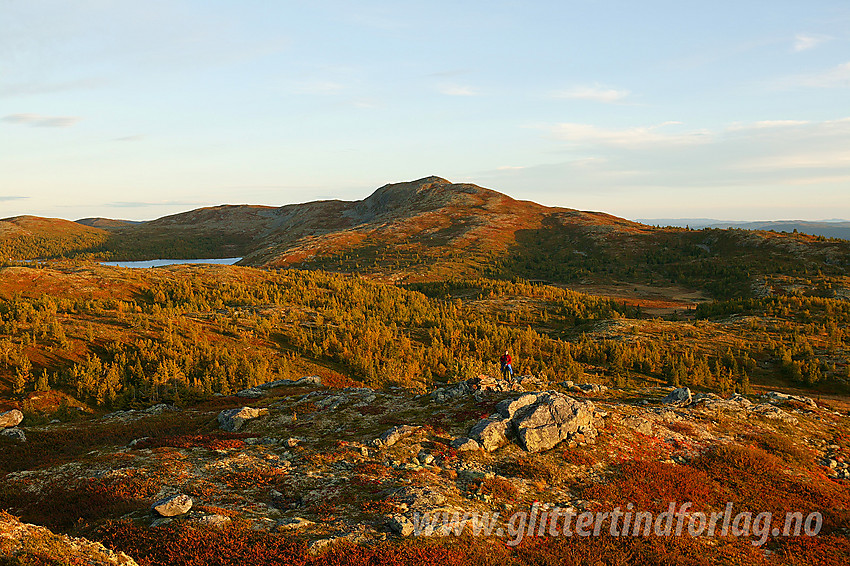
<point x="432" y="229"/>
<point x="825" y="228"/>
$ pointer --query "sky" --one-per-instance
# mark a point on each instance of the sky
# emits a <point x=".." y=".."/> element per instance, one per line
<point x="732" y="110"/>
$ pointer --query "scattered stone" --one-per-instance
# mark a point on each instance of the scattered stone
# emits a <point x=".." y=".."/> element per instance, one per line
<point x="159" y="409"/>
<point x="136" y="441"/>
<point x="638" y="424"/>
<point x="679" y="397"/>
<point x="14" y="434"/>
<point x="491" y="433"/>
<point x="217" y="521"/>
<point x="474" y="385"/>
<point x="465" y="444"/>
<point x="400" y="525"/>
<point x="395" y="434"/>
<point x="309" y="380"/>
<point x="293" y="524"/>
<point x="172" y="506"/>
<point x="252" y="393"/>
<point x="11" y="418"/>
<point x="425" y="458"/>
<point x="592" y="388"/>
<point x="232" y="420"/>
<point x="777" y="397"/>
<point x="775" y="414"/>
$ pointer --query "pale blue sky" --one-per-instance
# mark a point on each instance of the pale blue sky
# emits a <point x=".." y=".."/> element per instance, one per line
<point x="734" y="110"/>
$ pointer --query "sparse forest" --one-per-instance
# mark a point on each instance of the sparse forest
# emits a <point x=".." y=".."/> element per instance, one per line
<point x="201" y="333"/>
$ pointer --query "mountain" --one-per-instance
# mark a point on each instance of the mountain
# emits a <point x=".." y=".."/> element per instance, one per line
<point x="432" y="229"/>
<point x="106" y="223"/>
<point x="825" y="228"/>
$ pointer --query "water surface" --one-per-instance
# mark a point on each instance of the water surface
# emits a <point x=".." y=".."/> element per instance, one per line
<point x="164" y="262"/>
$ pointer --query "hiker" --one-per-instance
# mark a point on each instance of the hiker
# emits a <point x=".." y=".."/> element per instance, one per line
<point x="506" y="361"/>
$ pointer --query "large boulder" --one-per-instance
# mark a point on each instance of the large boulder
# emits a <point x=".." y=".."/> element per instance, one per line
<point x="232" y="420"/>
<point x="679" y="397"/>
<point x="553" y="417"/>
<point x="491" y="433"/>
<point x="172" y="506"/>
<point x="11" y="418"/>
<point x="538" y="421"/>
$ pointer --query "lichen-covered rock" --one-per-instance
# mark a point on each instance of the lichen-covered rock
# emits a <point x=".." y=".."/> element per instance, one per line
<point x="539" y="421"/>
<point x="552" y="418"/>
<point x="251" y="393"/>
<point x="232" y="420"/>
<point x="680" y="397"/>
<point x="14" y="434"/>
<point x="217" y="521"/>
<point x="395" y="434"/>
<point x="465" y="444"/>
<point x="491" y="433"/>
<point x="400" y="525"/>
<point x="509" y="407"/>
<point x="23" y="543"/>
<point x="314" y="380"/>
<point x="172" y="506"/>
<point x="11" y="418"/>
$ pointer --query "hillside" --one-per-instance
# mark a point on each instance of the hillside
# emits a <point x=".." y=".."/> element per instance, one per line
<point x="30" y="237"/>
<point x="432" y="229"/>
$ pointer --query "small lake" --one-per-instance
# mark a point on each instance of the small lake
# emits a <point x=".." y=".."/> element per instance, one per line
<point x="164" y="262"/>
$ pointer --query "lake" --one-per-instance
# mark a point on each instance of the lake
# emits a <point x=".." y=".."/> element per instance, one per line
<point x="164" y="262"/>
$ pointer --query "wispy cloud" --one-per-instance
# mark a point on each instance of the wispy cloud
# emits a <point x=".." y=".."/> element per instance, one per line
<point x="804" y="42"/>
<point x="142" y="204"/>
<point x="588" y="134"/>
<point x="37" y="120"/>
<point x="456" y="90"/>
<point x="510" y="168"/>
<point x="133" y="138"/>
<point x="8" y="90"/>
<point x="596" y="93"/>
<point x="838" y="76"/>
<point x="11" y="198"/>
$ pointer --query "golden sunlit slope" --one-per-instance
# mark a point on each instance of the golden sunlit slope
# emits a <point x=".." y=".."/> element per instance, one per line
<point x="30" y="237"/>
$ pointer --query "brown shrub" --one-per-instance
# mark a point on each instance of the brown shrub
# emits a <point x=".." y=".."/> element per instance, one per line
<point x="536" y="467"/>
<point x="682" y="427"/>
<point x="653" y="485"/>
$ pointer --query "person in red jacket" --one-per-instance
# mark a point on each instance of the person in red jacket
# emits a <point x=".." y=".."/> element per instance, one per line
<point x="507" y="368"/>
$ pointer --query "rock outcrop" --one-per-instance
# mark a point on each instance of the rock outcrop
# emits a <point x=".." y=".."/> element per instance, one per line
<point x="679" y="397"/>
<point x="233" y="419"/>
<point x="23" y="543"/>
<point x="538" y="421"/>
<point x="11" y="418"/>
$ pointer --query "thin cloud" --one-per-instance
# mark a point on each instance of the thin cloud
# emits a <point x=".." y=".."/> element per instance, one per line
<point x="595" y="93"/>
<point x="142" y="204"/>
<point x="584" y="134"/>
<point x="457" y="90"/>
<point x="11" y="198"/>
<point x="838" y="76"/>
<point x="8" y="90"/>
<point x="39" y="121"/>
<point x="133" y="138"/>
<point x="804" y="42"/>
